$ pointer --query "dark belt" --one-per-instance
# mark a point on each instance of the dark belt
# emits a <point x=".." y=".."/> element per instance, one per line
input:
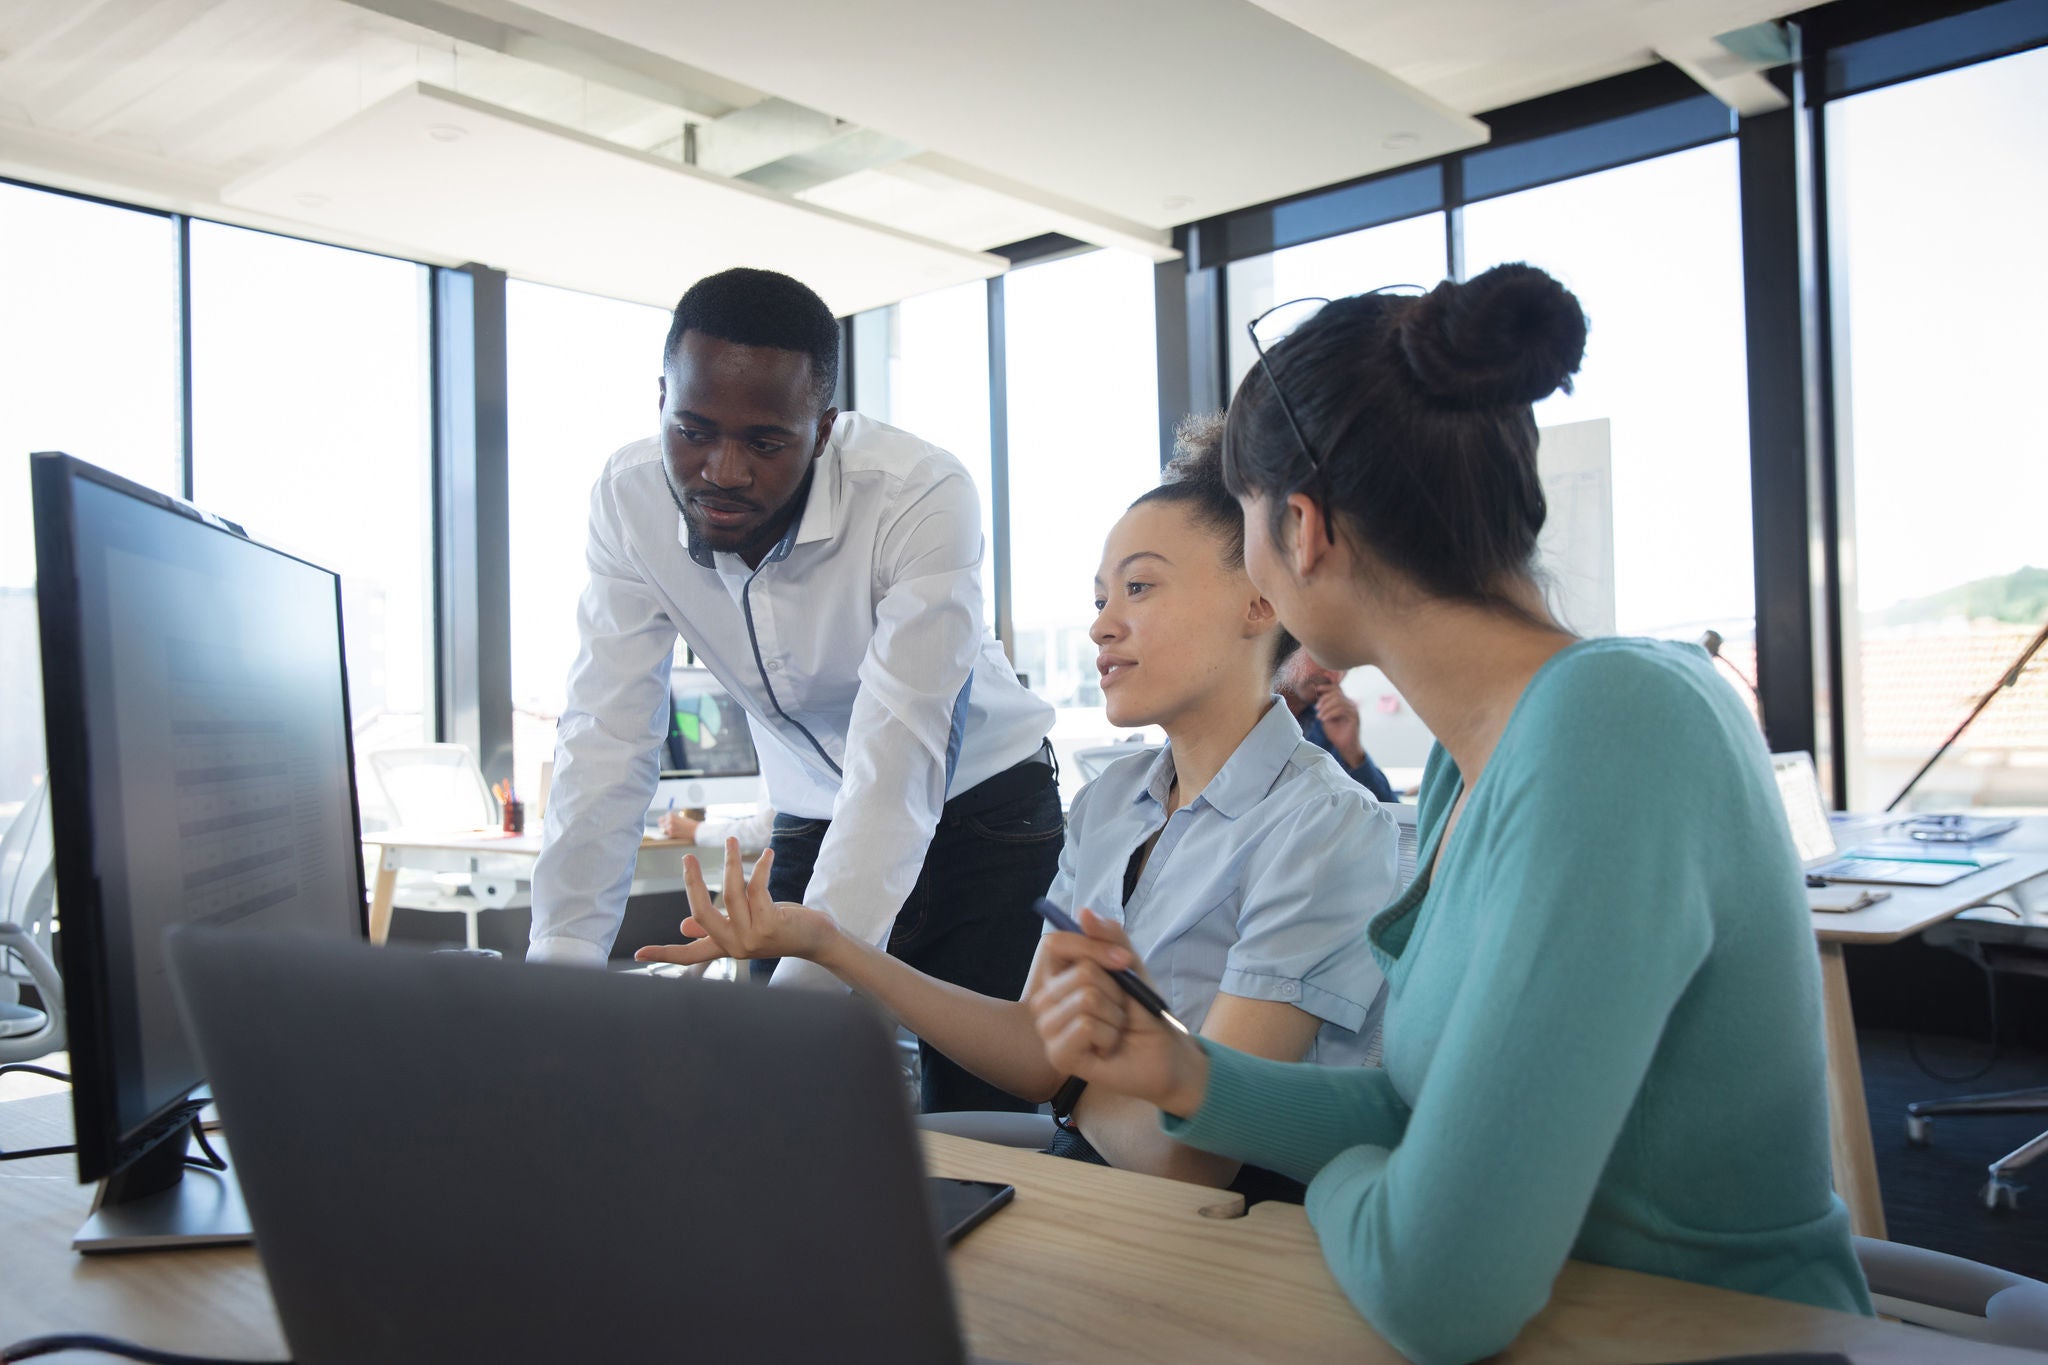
<point x="1011" y="784"/>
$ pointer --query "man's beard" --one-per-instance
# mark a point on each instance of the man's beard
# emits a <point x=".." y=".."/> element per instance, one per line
<point x="762" y="537"/>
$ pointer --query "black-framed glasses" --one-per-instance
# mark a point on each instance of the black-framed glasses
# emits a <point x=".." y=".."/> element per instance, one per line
<point x="1293" y="320"/>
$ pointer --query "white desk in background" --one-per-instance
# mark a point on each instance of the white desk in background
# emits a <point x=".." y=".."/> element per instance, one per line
<point x="1903" y="913"/>
<point x="659" y="866"/>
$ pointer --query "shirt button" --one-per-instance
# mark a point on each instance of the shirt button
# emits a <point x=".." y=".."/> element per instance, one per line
<point x="1290" y="989"/>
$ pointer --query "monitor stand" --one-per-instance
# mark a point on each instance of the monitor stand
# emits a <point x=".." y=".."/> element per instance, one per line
<point x="157" y="1202"/>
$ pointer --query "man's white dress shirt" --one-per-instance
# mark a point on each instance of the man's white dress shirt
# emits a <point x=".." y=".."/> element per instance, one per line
<point x="865" y="635"/>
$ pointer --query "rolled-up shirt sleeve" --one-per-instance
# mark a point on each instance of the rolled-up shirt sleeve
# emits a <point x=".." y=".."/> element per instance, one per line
<point x="607" y="754"/>
<point x="1301" y="934"/>
<point x="928" y="630"/>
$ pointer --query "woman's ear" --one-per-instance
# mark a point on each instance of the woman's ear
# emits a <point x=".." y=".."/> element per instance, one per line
<point x="1259" y="617"/>
<point x="1304" y="534"/>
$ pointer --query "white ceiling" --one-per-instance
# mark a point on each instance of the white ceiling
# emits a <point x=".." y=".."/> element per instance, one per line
<point x="1158" y="111"/>
<point x="457" y="176"/>
<point x="967" y="123"/>
<point x="1476" y="55"/>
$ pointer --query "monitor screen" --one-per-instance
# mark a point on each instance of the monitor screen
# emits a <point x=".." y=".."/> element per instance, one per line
<point x="201" y="765"/>
<point x="707" y="730"/>
<point x="1799" y="789"/>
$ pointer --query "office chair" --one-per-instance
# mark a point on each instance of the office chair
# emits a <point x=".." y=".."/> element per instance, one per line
<point x="1994" y="940"/>
<point x="1951" y="1295"/>
<point x="28" y="903"/>
<point x="1035" y="1131"/>
<point x="439" y="787"/>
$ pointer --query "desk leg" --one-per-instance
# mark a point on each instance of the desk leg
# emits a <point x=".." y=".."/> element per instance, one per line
<point x="380" y="896"/>
<point x="1855" y="1157"/>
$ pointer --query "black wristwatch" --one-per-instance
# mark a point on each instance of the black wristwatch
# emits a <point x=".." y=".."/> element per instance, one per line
<point x="1063" y="1101"/>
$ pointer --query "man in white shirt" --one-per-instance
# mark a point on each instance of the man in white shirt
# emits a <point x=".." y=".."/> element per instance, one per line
<point x="826" y="569"/>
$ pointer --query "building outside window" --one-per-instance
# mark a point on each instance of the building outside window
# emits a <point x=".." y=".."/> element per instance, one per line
<point x="89" y="355"/>
<point x="1939" y="189"/>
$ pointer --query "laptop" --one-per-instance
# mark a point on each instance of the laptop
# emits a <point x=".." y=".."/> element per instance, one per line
<point x="447" y="1158"/>
<point x="1814" y="836"/>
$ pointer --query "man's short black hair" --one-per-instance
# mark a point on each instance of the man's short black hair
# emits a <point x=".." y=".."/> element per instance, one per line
<point x="762" y="308"/>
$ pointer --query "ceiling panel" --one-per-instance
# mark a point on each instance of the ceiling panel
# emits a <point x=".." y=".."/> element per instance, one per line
<point x="1482" y="54"/>
<point x="462" y="179"/>
<point x="1158" y="111"/>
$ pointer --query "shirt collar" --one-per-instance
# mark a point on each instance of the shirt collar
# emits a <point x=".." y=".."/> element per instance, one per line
<point x="1248" y="774"/>
<point x="818" y="520"/>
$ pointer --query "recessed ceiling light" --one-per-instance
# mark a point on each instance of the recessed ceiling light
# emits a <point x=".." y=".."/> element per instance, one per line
<point x="1175" y="203"/>
<point x="309" y="200"/>
<point x="1399" y="142"/>
<point x="447" y="132"/>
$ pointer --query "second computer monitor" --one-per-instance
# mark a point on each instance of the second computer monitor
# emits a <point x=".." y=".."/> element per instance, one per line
<point x="709" y="758"/>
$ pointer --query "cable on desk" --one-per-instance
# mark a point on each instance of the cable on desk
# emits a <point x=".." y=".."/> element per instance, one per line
<point x="32" y="1069"/>
<point x="112" y="1346"/>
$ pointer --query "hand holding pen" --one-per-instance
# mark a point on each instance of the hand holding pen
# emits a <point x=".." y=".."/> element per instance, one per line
<point x="1096" y="1027"/>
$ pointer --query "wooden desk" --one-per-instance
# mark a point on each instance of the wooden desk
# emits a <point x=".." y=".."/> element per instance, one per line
<point x="1905" y="912"/>
<point x="659" y="865"/>
<point x="1087" y="1264"/>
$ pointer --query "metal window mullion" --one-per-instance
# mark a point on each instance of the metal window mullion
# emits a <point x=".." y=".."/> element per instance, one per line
<point x="181" y="229"/>
<point x="999" y="463"/>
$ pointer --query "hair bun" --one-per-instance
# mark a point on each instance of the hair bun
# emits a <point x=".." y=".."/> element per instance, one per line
<point x="1511" y="335"/>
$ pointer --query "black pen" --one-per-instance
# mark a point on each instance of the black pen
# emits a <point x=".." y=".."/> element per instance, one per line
<point x="1133" y="984"/>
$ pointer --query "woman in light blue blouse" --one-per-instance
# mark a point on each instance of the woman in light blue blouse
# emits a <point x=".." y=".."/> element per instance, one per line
<point x="1240" y="857"/>
<point x="1603" y="1027"/>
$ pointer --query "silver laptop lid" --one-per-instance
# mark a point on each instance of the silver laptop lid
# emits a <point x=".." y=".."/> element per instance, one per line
<point x="1799" y="789"/>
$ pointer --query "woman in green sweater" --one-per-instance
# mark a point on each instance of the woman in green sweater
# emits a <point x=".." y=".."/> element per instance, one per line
<point x="1603" y="1032"/>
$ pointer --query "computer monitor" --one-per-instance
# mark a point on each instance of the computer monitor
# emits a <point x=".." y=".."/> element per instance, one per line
<point x="201" y="771"/>
<point x="709" y="758"/>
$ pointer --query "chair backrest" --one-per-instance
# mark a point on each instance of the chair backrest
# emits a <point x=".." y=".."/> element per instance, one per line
<point x="434" y="786"/>
<point x="1950" y="1294"/>
<point x="1409" y="850"/>
<point x="28" y="902"/>
<point x="25" y="856"/>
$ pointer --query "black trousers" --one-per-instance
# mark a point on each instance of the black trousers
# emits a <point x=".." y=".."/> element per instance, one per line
<point x="968" y="920"/>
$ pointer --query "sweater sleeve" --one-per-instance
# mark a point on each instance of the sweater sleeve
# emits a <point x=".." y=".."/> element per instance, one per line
<point x="1289" y="1117"/>
<point x="1589" y="926"/>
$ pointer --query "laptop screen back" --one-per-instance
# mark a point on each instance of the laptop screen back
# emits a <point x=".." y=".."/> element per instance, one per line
<point x="1799" y="789"/>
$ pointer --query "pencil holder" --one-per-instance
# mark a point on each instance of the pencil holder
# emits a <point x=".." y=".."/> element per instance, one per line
<point x="515" y="817"/>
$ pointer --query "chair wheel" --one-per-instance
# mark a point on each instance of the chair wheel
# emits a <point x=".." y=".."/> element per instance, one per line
<point x="1999" y="1190"/>
<point x="1917" y="1130"/>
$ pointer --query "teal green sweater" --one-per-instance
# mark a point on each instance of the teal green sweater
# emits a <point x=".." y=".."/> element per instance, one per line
<point x="1603" y="1029"/>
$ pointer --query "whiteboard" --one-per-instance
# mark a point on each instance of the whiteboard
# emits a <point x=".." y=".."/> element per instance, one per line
<point x="1575" y="553"/>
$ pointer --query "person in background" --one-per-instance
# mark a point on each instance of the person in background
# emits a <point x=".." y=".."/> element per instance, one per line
<point x="1603" y="1028"/>
<point x="1239" y="855"/>
<point x="826" y="569"/>
<point x="1329" y="719"/>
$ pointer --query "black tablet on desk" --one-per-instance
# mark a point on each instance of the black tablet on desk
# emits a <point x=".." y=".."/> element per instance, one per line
<point x="961" y="1206"/>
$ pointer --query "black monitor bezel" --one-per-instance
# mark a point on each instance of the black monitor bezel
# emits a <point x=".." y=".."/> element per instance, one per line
<point x="104" y="1148"/>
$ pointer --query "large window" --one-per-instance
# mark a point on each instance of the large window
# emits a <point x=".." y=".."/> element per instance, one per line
<point x="937" y="388"/>
<point x="1084" y="441"/>
<point x="1661" y="493"/>
<point x="310" y="427"/>
<point x="1940" y="190"/>
<point x="584" y="377"/>
<point x="88" y="365"/>
<point x="1412" y="251"/>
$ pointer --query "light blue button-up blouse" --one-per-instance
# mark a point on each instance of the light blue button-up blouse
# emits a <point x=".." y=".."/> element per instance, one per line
<point x="1261" y="887"/>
